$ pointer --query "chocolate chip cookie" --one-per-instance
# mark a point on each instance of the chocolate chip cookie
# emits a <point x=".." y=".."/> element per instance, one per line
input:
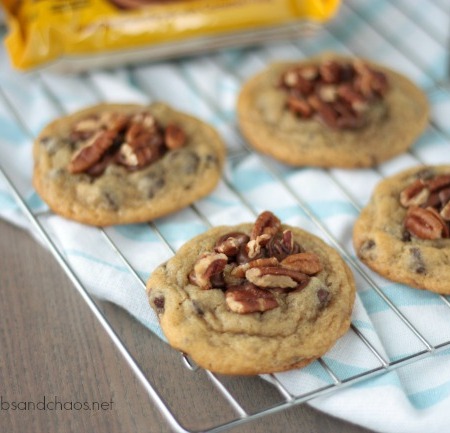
<point x="404" y="232"/>
<point x="331" y="111"/>
<point x="114" y="164"/>
<point x="253" y="298"/>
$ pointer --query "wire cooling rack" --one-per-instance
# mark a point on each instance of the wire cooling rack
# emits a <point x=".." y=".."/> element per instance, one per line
<point x="372" y="34"/>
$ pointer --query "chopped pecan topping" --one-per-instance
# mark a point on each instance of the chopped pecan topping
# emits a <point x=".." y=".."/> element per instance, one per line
<point x="428" y="210"/>
<point x="133" y="141"/>
<point x="250" y="269"/>
<point x="249" y="299"/>
<point x="337" y="93"/>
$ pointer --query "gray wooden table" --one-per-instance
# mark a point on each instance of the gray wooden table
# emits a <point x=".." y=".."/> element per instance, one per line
<point x="52" y="346"/>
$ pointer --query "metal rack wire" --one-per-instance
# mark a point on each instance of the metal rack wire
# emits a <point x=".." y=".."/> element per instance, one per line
<point x="285" y="398"/>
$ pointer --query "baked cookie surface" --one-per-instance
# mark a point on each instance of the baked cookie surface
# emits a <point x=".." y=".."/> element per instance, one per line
<point x="116" y="163"/>
<point x="403" y="232"/>
<point x="253" y="298"/>
<point x="331" y="111"/>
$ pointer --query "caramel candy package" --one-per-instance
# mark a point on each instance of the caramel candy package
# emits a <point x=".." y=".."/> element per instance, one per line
<point x="75" y="35"/>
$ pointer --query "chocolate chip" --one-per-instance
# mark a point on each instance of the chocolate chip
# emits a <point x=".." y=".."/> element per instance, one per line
<point x="417" y="261"/>
<point x="191" y="163"/>
<point x="110" y="200"/>
<point x="45" y="140"/>
<point x="184" y="162"/>
<point x="51" y="144"/>
<point x="56" y="173"/>
<point x="324" y="296"/>
<point x="151" y="184"/>
<point x="367" y="246"/>
<point x="406" y="236"/>
<point x="198" y="310"/>
<point x="210" y="159"/>
<point x="159" y="303"/>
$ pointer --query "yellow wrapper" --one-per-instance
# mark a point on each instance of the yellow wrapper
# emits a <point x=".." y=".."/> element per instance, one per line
<point x="41" y="31"/>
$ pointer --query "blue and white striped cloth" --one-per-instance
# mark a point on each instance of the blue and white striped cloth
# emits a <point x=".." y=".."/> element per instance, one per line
<point x="410" y="36"/>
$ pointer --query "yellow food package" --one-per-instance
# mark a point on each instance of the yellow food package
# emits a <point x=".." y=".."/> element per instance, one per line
<point x="81" y="34"/>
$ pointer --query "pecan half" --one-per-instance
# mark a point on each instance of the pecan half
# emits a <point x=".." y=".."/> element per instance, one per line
<point x="353" y="97"/>
<point x="300" y="106"/>
<point x="85" y="128"/>
<point x="309" y="72"/>
<point x="280" y="246"/>
<point x="330" y="71"/>
<point x="414" y="194"/>
<point x="425" y="223"/>
<point x="240" y="270"/>
<point x="89" y="155"/>
<point x="327" y="92"/>
<point x="427" y="200"/>
<point x="445" y="212"/>
<point x="206" y="267"/>
<point x="294" y="79"/>
<point x="444" y="196"/>
<point x="266" y="226"/>
<point x="249" y="299"/>
<point x="174" y="137"/>
<point x="99" y="167"/>
<point x="439" y="182"/>
<point x="325" y="110"/>
<point x="97" y="146"/>
<point x="143" y="145"/>
<point x="306" y="263"/>
<point x="271" y="276"/>
<point x="266" y="223"/>
<point x="231" y="243"/>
